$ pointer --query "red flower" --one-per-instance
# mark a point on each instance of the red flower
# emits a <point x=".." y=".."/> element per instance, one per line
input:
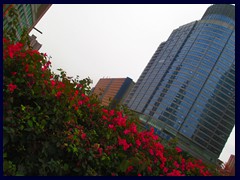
<point x="76" y="93"/>
<point x="12" y="49"/>
<point x="5" y="40"/>
<point x="14" y="73"/>
<point x="176" y="164"/>
<point x="111" y="126"/>
<point x="83" y="135"/>
<point x="26" y="68"/>
<point x="30" y="75"/>
<point x="45" y="82"/>
<point x="126" y="131"/>
<point x="59" y="93"/>
<point x="44" y="68"/>
<point x="75" y="107"/>
<point x="79" y="85"/>
<point x="104" y="118"/>
<point x="111" y="113"/>
<point x="124" y="143"/>
<point x="165" y="170"/>
<point x="149" y="169"/>
<point x="151" y="152"/>
<point x="100" y="151"/>
<point x="105" y="111"/>
<point x="53" y="82"/>
<point x="178" y="149"/>
<point x="129" y="169"/>
<point x="12" y="87"/>
<point x="80" y="102"/>
<point x="138" y="143"/>
<point x="133" y="128"/>
<point x="175" y="173"/>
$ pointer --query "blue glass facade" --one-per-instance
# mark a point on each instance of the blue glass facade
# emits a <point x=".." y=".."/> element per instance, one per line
<point x="188" y="87"/>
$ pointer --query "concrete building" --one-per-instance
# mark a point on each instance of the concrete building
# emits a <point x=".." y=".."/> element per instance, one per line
<point x="112" y="90"/>
<point x="230" y="165"/>
<point x="187" y="89"/>
<point x="34" y="43"/>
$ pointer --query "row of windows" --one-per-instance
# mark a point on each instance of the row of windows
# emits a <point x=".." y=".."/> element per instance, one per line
<point x="175" y="88"/>
<point x="211" y="145"/>
<point x="210" y="117"/>
<point x="220" y="18"/>
<point x="218" y="29"/>
<point x="212" y="34"/>
<point x="212" y="149"/>
<point x="211" y="112"/>
<point x="190" y="125"/>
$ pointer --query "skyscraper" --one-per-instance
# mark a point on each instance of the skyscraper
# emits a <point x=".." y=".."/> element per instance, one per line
<point x="112" y="90"/>
<point x="187" y="90"/>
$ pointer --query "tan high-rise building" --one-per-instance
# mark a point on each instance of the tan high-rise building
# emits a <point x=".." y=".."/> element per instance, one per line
<point x="112" y="90"/>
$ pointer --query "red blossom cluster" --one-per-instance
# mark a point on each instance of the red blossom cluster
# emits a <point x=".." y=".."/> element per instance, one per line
<point x="11" y="87"/>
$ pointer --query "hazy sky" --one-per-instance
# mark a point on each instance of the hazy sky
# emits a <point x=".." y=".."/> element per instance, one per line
<point x="114" y="41"/>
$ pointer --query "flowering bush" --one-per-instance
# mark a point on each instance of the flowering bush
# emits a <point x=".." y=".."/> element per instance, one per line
<point x="53" y="126"/>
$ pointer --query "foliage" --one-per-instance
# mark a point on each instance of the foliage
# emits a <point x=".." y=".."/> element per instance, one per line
<point x="53" y="126"/>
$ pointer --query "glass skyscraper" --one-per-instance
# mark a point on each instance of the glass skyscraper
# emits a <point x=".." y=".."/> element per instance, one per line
<point x="187" y="89"/>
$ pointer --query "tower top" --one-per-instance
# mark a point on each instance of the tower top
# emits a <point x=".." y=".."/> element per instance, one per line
<point x="222" y="9"/>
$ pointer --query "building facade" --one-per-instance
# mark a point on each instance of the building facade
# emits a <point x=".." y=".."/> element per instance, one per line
<point x="230" y="165"/>
<point x="34" y="43"/>
<point x="112" y="90"/>
<point x="28" y="16"/>
<point x="187" y="90"/>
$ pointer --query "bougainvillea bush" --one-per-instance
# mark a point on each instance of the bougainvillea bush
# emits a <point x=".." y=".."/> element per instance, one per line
<point x="53" y="126"/>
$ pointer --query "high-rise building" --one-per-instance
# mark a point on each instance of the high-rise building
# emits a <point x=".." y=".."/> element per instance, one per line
<point x="112" y="90"/>
<point x="28" y="16"/>
<point x="187" y="90"/>
<point x="230" y="165"/>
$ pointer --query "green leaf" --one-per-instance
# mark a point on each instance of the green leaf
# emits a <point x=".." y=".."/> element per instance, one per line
<point x="103" y="158"/>
<point x="34" y="119"/>
<point x="30" y="123"/>
<point x="75" y="149"/>
<point x="108" y="135"/>
<point x="21" y="127"/>
<point x="124" y="165"/>
<point x="135" y="161"/>
<point x="53" y="91"/>
<point x="65" y="167"/>
<point x="23" y="107"/>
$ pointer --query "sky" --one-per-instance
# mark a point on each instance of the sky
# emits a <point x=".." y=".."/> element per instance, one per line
<point x="112" y="40"/>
